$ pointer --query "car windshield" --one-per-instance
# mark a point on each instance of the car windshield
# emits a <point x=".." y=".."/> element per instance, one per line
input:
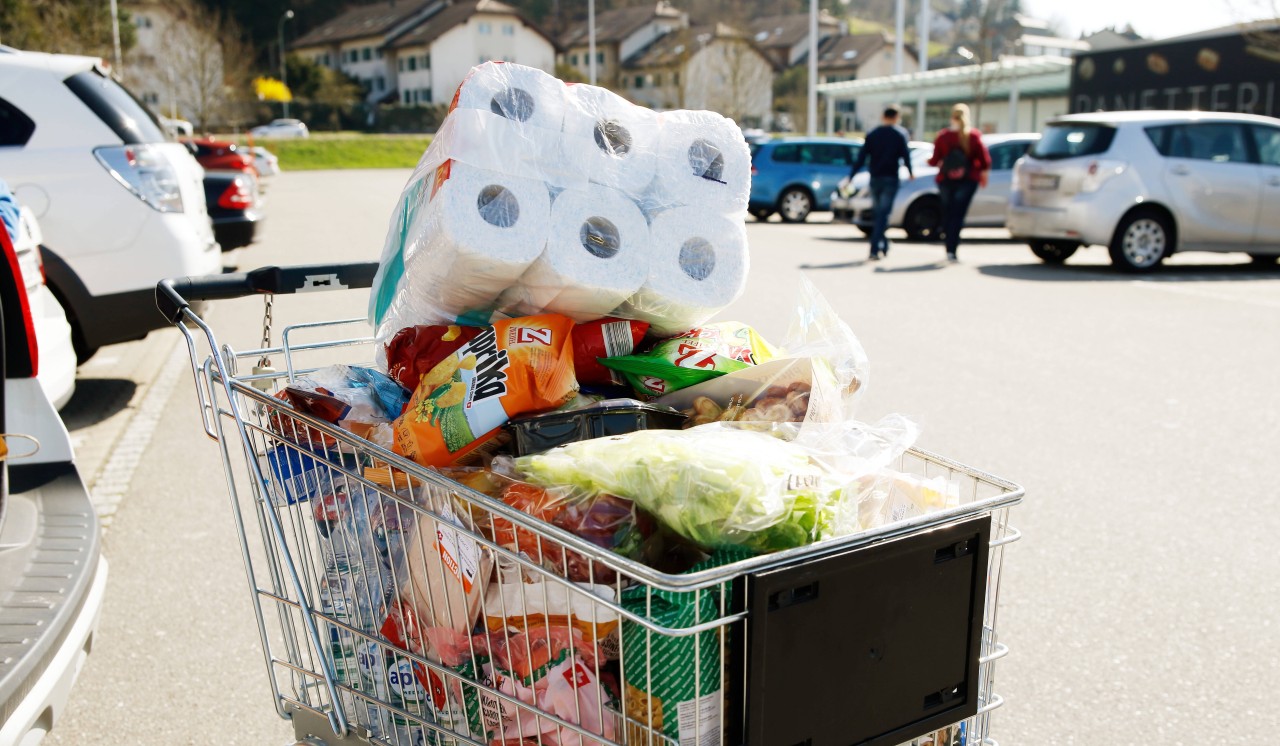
<point x="132" y="122"/>
<point x="1072" y="140"/>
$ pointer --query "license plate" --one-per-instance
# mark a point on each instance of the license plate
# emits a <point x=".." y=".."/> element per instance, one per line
<point x="1044" y="181"/>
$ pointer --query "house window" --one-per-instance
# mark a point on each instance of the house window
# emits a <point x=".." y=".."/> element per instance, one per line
<point x="326" y="59"/>
<point x="426" y="95"/>
<point x="367" y="53"/>
<point x="657" y="80"/>
<point x="675" y="78"/>
<point x="508" y="29"/>
<point x="142" y="22"/>
<point x="413" y="64"/>
<point x="379" y="54"/>
<point x="639" y="81"/>
<point x="400" y="64"/>
<point x="599" y="58"/>
<point x="426" y="62"/>
<point x="573" y="60"/>
<point x="379" y="84"/>
<point x="484" y="28"/>
<point x="404" y="97"/>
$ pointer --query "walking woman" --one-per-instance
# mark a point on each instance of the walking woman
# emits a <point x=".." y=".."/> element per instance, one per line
<point x="963" y="163"/>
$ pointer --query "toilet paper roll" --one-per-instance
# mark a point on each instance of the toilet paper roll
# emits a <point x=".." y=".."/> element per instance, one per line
<point x="703" y="160"/>
<point x="613" y="141"/>
<point x="470" y="242"/>
<point x="518" y="93"/>
<point x="698" y="265"/>
<point x="597" y="256"/>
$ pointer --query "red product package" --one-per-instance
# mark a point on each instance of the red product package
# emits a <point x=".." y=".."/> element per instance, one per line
<point x="415" y="350"/>
<point x="605" y="337"/>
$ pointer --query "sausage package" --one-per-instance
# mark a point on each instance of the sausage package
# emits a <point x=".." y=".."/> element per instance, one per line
<point x="516" y="366"/>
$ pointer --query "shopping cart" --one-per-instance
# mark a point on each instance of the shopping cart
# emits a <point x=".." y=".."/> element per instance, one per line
<point x="390" y="611"/>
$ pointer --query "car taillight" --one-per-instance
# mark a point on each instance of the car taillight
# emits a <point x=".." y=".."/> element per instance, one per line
<point x="754" y="171"/>
<point x="237" y="196"/>
<point x="145" y="171"/>
<point x="1099" y="172"/>
<point x="24" y="300"/>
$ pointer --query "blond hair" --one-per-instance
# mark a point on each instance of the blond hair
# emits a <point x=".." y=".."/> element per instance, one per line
<point x="960" y="112"/>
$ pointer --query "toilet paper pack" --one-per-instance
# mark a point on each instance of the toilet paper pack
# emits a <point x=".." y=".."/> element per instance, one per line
<point x="698" y="265"/>
<point x="703" y="160"/>
<point x="611" y="139"/>
<point x="597" y="256"/>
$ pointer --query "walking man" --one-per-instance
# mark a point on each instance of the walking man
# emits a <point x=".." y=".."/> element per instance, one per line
<point x="883" y="149"/>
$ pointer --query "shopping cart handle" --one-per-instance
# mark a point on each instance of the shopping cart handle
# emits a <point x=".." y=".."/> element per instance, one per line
<point x="175" y="294"/>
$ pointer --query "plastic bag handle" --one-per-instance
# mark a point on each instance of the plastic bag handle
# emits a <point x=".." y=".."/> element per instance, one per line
<point x="173" y="296"/>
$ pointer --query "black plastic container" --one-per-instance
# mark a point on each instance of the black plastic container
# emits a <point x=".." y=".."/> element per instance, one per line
<point x="611" y="417"/>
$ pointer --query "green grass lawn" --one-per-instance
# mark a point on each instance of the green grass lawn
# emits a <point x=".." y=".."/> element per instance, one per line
<point x="347" y="150"/>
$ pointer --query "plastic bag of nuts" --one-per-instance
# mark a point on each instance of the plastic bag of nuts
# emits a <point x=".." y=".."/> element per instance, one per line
<point x="774" y="404"/>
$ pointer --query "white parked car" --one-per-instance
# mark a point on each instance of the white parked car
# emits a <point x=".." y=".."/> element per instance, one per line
<point x="1147" y="183"/>
<point x="120" y="206"/>
<point x="177" y="128"/>
<point x="281" y="128"/>
<point x="53" y="577"/>
<point x="265" y="162"/>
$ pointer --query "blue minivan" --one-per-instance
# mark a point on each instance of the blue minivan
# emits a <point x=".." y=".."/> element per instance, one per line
<point x="793" y="176"/>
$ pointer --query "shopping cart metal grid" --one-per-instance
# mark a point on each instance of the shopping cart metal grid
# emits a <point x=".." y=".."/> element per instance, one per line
<point x="389" y="612"/>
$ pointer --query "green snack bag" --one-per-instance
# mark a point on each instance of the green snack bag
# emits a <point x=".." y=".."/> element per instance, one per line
<point x="692" y="357"/>
<point x="680" y="695"/>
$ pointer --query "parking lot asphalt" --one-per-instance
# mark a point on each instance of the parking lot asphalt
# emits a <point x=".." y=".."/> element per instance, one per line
<point x="1140" y="413"/>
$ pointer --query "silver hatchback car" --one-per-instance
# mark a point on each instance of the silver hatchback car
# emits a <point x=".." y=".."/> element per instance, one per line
<point x="917" y="208"/>
<point x="1148" y="183"/>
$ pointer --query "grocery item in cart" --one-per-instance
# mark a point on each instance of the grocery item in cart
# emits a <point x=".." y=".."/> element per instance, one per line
<point x="510" y="368"/>
<point x="607" y="337"/>
<point x="415" y="350"/>
<point x="597" y="255"/>
<point x="445" y="571"/>
<point x="698" y="266"/>
<point x="470" y="224"/>
<point x="692" y="357"/>
<point x="353" y="398"/>
<point x="673" y="684"/>
<point x="540" y="432"/>
<point x="513" y="604"/>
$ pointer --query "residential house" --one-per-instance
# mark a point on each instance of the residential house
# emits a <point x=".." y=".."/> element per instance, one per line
<point x="621" y="34"/>
<point x="433" y="57"/>
<point x="176" y="66"/>
<point x="785" y="38"/>
<point x="419" y="52"/>
<point x="1110" y="38"/>
<point x="353" y="42"/>
<point x="853" y="56"/>
<point x="704" y="67"/>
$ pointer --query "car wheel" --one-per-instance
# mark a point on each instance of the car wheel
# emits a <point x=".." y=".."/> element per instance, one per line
<point x="794" y="205"/>
<point x="1141" y="242"/>
<point x="1053" y="252"/>
<point x="923" y="221"/>
<point x="761" y="213"/>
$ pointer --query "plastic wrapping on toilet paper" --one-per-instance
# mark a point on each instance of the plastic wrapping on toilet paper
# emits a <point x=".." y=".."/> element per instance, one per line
<point x="703" y="161"/>
<point x="616" y="140"/>
<point x="521" y="94"/>
<point x="476" y="234"/>
<point x="698" y="265"/>
<point x="528" y="136"/>
<point x="597" y="256"/>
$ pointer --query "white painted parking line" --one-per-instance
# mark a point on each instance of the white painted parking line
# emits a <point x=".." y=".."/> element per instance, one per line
<point x="113" y="483"/>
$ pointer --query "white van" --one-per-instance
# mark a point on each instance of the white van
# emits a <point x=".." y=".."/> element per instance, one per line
<point x="120" y="206"/>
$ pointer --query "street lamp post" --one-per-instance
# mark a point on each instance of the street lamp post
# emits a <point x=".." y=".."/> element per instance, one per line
<point x="284" y="75"/>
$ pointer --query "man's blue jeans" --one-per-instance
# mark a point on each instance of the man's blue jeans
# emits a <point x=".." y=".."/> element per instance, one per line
<point x="883" y="191"/>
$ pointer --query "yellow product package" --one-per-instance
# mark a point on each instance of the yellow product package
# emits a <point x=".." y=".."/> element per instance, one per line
<point x="516" y="366"/>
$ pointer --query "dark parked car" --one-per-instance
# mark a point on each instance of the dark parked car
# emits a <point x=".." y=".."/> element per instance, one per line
<point x="235" y="207"/>
<point x="794" y="176"/>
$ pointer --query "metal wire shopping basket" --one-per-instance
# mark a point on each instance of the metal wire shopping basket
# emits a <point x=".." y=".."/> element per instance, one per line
<point x="390" y="610"/>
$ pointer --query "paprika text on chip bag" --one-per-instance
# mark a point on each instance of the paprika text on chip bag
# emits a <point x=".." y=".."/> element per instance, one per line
<point x="514" y="367"/>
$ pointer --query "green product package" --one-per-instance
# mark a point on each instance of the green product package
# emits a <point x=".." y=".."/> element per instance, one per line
<point x="692" y="357"/>
<point x="674" y="683"/>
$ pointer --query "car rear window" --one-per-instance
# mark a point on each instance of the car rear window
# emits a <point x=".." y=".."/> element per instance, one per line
<point x="132" y="122"/>
<point x="1072" y="140"/>
<point x="789" y="153"/>
<point x="15" y="127"/>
